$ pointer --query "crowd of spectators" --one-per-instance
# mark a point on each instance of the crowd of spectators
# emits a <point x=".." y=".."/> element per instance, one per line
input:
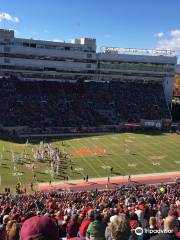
<point x="125" y="213"/>
<point x="40" y="104"/>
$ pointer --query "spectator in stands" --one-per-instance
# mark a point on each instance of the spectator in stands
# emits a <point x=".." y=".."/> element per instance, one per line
<point x="12" y="230"/>
<point x="134" y="223"/>
<point x="44" y="106"/>
<point x="169" y="230"/>
<point x="85" y="224"/>
<point x="120" y="228"/>
<point x="108" y="232"/>
<point x="63" y="226"/>
<point x="96" y="229"/>
<point x="39" y="227"/>
<point x="72" y="227"/>
<point x="73" y="212"/>
<point x="151" y="229"/>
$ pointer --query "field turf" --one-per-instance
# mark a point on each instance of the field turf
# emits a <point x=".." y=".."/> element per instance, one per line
<point x="126" y="153"/>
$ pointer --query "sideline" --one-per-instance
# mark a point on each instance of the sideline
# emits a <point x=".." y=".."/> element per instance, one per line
<point x="93" y="183"/>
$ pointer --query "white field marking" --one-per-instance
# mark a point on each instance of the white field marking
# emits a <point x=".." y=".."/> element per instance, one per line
<point x="169" y="162"/>
<point x="177" y="162"/>
<point x="173" y="143"/>
<point x="119" y="166"/>
<point x="146" y="166"/>
<point x="132" y="137"/>
<point x="128" y="141"/>
<point x="108" y="156"/>
<point x="132" y="165"/>
<point x="147" y="136"/>
<point x="50" y="173"/>
<point x="86" y="161"/>
<point x="127" y="151"/>
<point x="156" y="164"/>
<point x="17" y="174"/>
<point x="142" y="163"/>
<point x="95" y="138"/>
<point x="114" y="162"/>
<point x="79" y="169"/>
<point x="72" y="161"/>
<point x="113" y="137"/>
<point x="30" y="166"/>
<point x="106" y="167"/>
<point x="157" y="157"/>
<point x="96" y="156"/>
<point x="47" y="171"/>
<point x="76" y="139"/>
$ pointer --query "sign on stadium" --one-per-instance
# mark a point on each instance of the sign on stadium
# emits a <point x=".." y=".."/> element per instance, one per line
<point x="138" y="51"/>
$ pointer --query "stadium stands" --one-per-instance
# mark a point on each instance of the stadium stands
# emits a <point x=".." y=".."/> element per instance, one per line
<point x="80" y="104"/>
<point x="106" y="214"/>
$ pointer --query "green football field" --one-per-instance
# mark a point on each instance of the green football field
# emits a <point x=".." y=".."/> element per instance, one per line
<point x="127" y="153"/>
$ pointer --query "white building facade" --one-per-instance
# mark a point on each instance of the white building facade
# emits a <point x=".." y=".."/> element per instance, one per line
<point x="31" y="59"/>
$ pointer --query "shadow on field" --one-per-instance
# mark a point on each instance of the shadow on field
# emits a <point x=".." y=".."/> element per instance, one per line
<point x="116" y="173"/>
<point x="14" y="138"/>
<point x="64" y="138"/>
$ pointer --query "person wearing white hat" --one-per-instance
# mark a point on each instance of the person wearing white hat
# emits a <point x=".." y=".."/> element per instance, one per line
<point x="108" y="233"/>
<point x="5" y="219"/>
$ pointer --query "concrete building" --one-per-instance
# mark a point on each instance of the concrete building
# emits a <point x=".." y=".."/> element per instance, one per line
<point x="30" y="59"/>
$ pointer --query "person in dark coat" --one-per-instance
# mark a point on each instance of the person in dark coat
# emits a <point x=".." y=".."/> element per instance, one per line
<point x="72" y="227"/>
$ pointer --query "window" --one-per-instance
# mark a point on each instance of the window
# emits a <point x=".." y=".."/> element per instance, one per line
<point x="49" y="69"/>
<point x="25" y="44"/>
<point x="7" y="40"/>
<point x="88" y="65"/>
<point x="7" y="60"/>
<point x="33" y="45"/>
<point x="50" y="47"/>
<point x="67" y="48"/>
<point x="7" y="49"/>
<point x="60" y="48"/>
<point x="89" y="55"/>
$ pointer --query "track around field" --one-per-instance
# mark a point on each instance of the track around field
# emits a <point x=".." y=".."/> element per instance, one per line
<point x="102" y="183"/>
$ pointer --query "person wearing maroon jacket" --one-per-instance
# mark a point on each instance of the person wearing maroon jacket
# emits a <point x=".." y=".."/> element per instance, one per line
<point x="72" y="227"/>
<point x="85" y="224"/>
<point x="39" y="227"/>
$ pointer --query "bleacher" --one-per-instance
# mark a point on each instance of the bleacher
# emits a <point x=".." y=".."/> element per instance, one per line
<point x="89" y="104"/>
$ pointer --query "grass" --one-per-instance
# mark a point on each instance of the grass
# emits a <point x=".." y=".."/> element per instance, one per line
<point x="127" y="153"/>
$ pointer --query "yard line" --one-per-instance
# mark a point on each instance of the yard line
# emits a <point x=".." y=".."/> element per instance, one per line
<point x="95" y="155"/>
<point x="127" y="172"/>
<point x="86" y="161"/>
<point x="119" y="156"/>
<point x="164" y="148"/>
<point x="72" y="158"/>
<point x="148" y="151"/>
<point x="111" y="159"/>
<point x="140" y="153"/>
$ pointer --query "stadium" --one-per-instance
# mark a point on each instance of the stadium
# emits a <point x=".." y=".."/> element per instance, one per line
<point x="86" y="133"/>
<point x="105" y="105"/>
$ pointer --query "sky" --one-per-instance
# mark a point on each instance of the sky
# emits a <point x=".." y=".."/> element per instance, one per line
<point x="116" y="23"/>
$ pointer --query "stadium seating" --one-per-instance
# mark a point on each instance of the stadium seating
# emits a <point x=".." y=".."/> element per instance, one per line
<point x="66" y="104"/>
<point x="91" y="214"/>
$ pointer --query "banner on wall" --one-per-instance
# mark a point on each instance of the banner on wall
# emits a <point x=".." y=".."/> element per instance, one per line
<point x="152" y="123"/>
